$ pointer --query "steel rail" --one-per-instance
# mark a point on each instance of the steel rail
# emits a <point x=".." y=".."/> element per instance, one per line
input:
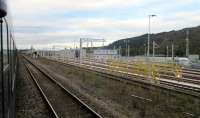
<point x="41" y="91"/>
<point x="186" y="71"/>
<point x="188" y="80"/>
<point x="140" y="79"/>
<point x="79" y="101"/>
<point x="194" y="78"/>
<point x="161" y="80"/>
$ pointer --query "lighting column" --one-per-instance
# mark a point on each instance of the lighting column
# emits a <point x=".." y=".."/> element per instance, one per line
<point x="187" y="44"/>
<point x="148" y="49"/>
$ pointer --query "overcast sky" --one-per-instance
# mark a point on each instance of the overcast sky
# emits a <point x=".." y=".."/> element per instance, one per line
<point x="43" y="23"/>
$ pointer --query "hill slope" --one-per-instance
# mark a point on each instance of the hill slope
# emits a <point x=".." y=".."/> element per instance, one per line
<point x="164" y="39"/>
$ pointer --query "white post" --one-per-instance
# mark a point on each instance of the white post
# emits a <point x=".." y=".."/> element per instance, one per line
<point x="173" y="50"/>
<point x="187" y="44"/>
<point x="80" y="51"/>
<point x="148" y="48"/>
<point x="153" y="48"/>
<point x="128" y="50"/>
<point x="120" y="52"/>
<point x="145" y="49"/>
<point x="167" y="51"/>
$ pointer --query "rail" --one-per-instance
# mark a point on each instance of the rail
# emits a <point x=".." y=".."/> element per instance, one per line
<point x="79" y="101"/>
<point x="163" y="83"/>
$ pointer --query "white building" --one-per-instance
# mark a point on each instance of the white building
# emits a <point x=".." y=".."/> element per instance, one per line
<point x="105" y="54"/>
<point x="62" y="54"/>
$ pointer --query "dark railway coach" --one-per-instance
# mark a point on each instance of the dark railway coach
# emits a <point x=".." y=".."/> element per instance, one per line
<point x="7" y="65"/>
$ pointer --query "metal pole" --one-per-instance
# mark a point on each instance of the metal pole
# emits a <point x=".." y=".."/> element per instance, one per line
<point x="120" y="52"/>
<point x="80" y="51"/>
<point x="55" y="53"/>
<point x="167" y="51"/>
<point x="173" y="50"/>
<point x="145" y="49"/>
<point x="187" y="44"/>
<point x="128" y="49"/>
<point x="87" y="43"/>
<point x="148" y="51"/>
<point x="125" y="48"/>
<point x="148" y="48"/>
<point x="153" y="48"/>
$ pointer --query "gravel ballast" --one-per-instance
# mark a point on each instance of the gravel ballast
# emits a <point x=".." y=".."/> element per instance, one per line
<point x="29" y="102"/>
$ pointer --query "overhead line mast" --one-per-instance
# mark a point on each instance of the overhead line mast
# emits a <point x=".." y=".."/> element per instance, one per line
<point x="187" y="44"/>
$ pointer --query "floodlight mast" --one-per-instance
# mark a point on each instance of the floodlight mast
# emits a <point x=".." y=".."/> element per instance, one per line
<point x="148" y="49"/>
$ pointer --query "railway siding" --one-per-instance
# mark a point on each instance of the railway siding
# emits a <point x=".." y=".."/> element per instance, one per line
<point x="120" y="93"/>
<point x="180" y="85"/>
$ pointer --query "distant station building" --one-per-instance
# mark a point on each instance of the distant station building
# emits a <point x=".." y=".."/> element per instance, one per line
<point x="105" y="54"/>
<point x="63" y="54"/>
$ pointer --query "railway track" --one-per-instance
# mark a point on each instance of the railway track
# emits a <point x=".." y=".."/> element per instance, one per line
<point x="189" y="75"/>
<point x="163" y="83"/>
<point x="62" y="102"/>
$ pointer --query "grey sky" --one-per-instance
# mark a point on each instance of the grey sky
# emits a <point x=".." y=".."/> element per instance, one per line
<point x="43" y="23"/>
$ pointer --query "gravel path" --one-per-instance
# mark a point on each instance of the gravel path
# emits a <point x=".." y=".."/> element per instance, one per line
<point x="29" y="102"/>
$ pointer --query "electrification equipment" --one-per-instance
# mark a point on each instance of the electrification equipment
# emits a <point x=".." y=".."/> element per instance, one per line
<point x="88" y="40"/>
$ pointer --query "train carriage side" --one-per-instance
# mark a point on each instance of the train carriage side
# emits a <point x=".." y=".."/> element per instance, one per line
<point x="7" y="65"/>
